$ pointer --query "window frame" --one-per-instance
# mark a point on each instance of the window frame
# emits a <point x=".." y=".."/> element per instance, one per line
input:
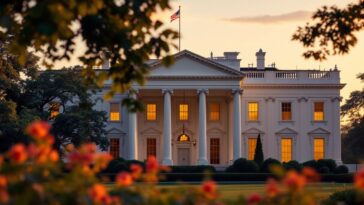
<point x="281" y="148"/>
<point x="218" y="112"/>
<point x="119" y="146"/>
<point x="215" y="151"/>
<point x="110" y="112"/>
<point x="149" y="139"/>
<point x="323" y="146"/>
<point x="179" y="111"/>
<point x="290" y="112"/>
<point x="248" y="147"/>
<point x="155" y="112"/>
<point x="257" y="111"/>
<point x="314" y="111"/>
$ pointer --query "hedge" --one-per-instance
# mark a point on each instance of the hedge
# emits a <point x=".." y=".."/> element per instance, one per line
<point x="192" y="169"/>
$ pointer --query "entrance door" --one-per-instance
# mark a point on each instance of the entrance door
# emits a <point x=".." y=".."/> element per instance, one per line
<point x="183" y="156"/>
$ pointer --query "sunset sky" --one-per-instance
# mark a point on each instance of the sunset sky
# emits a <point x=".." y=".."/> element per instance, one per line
<point x="245" y="26"/>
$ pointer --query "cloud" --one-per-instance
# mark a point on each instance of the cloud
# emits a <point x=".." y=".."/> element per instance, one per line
<point x="270" y="19"/>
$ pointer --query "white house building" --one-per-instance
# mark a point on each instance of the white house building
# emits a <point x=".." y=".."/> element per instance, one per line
<point x="211" y="111"/>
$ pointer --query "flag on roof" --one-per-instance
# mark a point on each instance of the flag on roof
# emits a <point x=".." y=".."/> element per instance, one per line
<point x="175" y="16"/>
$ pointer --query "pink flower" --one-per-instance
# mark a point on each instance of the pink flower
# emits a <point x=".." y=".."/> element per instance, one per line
<point x="271" y="188"/>
<point x="18" y="154"/>
<point x="294" y="181"/>
<point x="254" y="199"/>
<point x="136" y="170"/>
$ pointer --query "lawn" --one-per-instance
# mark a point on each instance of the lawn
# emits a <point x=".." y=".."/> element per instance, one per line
<point x="231" y="191"/>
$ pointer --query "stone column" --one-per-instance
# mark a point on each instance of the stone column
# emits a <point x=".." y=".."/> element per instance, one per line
<point x="167" y="128"/>
<point x="202" y="158"/>
<point x="133" y="147"/>
<point x="237" y="124"/>
<point x="336" y="152"/>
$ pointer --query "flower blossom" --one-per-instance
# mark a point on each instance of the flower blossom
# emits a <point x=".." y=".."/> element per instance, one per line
<point x="209" y="189"/>
<point x="294" y="181"/>
<point x="311" y="174"/>
<point x="124" y="179"/>
<point x="271" y="188"/>
<point x="4" y="196"/>
<point x="136" y="171"/>
<point x="18" y="154"/>
<point x="254" y="199"/>
<point x="99" y="194"/>
<point x="359" y="180"/>
<point x="38" y="129"/>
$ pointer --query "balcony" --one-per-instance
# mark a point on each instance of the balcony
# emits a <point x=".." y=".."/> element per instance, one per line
<point x="292" y="77"/>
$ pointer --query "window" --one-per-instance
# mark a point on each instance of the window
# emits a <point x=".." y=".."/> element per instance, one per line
<point x="253" y="108"/>
<point x="183" y="112"/>
<point x="183" y="138"/>
<point x="54" y="109"/>
<point x="115" y="148"/>
<point x="252" y="144"/>
<point x="114" y="112"/>
<point x="318" y="114"/>
<point x="214" y="151"/>
<point x="318" y="148"/>
<point x="286" y="149"/>
<point x="214" y="111"/>
<point x="286" y="111"/>
<point x="151" y="147"/>
<point x="151" y="112"/>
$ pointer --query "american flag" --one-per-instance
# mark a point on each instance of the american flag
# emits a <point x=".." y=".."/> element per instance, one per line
<point x="175" y="16"/>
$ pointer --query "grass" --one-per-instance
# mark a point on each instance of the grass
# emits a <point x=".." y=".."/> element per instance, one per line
<point x="232" y="191"/>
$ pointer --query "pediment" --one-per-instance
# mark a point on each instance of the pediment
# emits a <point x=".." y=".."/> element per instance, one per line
<point x="286" y="131"/>
<point x="190" y="64"/>
<point x="151" y="131"/>
<point x="216" y="131"/>
<point x="253" y="131"/>
<point x="319" y="131"/>
<point x="115" y="131"/>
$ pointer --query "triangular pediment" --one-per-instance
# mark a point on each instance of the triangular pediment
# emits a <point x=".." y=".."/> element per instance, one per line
<point x="286" y="131"/>
<point x="190" y="64"/>
<point x="319" y="131"/>
<point x="115" y="131"/>
<point x="151" y="131"/>
<point x="253" y="131"/>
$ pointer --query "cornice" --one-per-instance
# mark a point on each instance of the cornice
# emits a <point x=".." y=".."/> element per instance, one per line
<point x="193" y="77"/>
<point x="293" y="86"/>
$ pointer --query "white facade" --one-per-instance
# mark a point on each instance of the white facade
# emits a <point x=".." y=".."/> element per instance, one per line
<point x="214" y="87"/>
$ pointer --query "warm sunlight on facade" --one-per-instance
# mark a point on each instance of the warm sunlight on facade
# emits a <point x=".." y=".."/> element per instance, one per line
<point x="183" y="112"/>
<point x="286" y="149"/>
<point x="253" y="111"/>
<point x="318" y="111"/>
<point x="114" y="112"/>
<point x="252" y="144"/>
<point x="318" y="148"/>
<point x="151" y="112"/>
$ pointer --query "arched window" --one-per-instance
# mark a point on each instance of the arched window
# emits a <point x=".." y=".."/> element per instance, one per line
<point x="183" y="138"/>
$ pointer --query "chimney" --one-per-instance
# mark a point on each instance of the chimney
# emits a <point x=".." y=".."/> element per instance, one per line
<point x="260" y="59"/>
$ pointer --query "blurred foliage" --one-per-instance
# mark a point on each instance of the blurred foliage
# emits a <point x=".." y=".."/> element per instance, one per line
<point x="332" y="31"/>
<point x="126" y="32"/>
<point x="353" y="131"/>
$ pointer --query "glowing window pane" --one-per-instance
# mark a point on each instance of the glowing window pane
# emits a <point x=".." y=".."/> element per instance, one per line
<point x="318" y="114"/>
<point x="318" y="148"/>
<point x="183" y="138"/>
<point x="214" y="151"/>
<point x="286" y="149"/>
<point x="286" y="111"/>
<point x="151" y="112"/>
<point x="253" y="111"/>
<point x="114" y="149"/>
<point x="214" y="111"/>
<point x="54" y="109"/>
<point x="114" y="112"/>
<point x="252" y="144"/>
<point x="151" y="147"/>
<point x="183" y="112"/>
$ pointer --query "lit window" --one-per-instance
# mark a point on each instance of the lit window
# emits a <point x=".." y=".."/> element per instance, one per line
<point x="286" y="149"/>
<point x="214" y="151"/>
<point x="286" y="111"/>
<point x="151" y="147"/>
<point x="214" y="111"/>
<point x="114" y="112"/>
<point x="318" y="111"/>
<point x="183" y="112"/>
<point x="115" y="148"/>
<point x="54" y="109"/>
<point x="183" y="138"/>
<point x="318" y="148"/>
<point x="252" y="144"/>
<point x="151" y="112"/>
<point x="253" y="108"/>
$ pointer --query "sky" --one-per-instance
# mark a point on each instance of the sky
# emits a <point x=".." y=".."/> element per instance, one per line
<point x="246" y="26"/>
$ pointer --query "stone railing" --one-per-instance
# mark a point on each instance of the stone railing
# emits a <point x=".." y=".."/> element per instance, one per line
<point x="292" y="77"/>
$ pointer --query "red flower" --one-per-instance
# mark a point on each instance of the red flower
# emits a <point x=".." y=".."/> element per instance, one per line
<point x="359" y="180"/>
<point x="294" y="181"/>
<point x="99" y="194"/>
<point x="152" y="164"/>
<point x="209" y="189"/>
<point x="38" y="129"/>
<point x="136" y="170"/>
<point x="311" y="174"/>
<point x="4" y="196"/>
<point x="272" y="188"/>
<point x="18" y="154"/>
<point x="3" y="182"/>
<point x="254" y="199"/>
<point x="124" y="179"/>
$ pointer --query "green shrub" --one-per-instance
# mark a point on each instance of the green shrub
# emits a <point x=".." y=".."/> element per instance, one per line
<point x="324" y="170"/>
<point x="311" y="163"/>
<point x="268" y="163"/>
<point x="258" y="154"/>
<point x="347" y="197"/>
<point x="329" y="163"/>
<point x="120" y="164"/>
<point x="243" y="165"/>
<point x="193" y="169"/>
<point x="292" y="165"/>
<point x="342" y="169"/>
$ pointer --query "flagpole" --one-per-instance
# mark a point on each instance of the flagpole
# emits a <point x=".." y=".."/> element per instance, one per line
<point x="179" y="32"/>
